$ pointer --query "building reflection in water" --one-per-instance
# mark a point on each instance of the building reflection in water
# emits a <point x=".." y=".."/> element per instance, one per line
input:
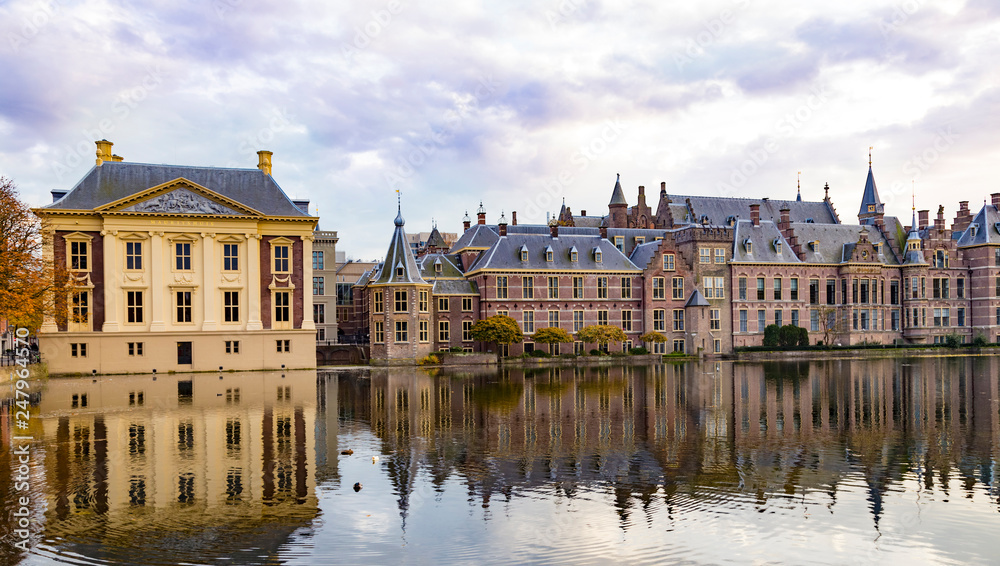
<point x="710" y="429"/>
<point x="158" y="469"/>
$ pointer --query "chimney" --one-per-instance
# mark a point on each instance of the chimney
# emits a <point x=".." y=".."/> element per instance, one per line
<point x="117" y="158"/>
<point x="785" y="218"/>
<point x="663" y="186"/>
<point x="923" y="218"/>
<point x="962" y="218"/>
<point x="554" y="229"/>
<point x="502" y="225"/>
<point x="513" y="218"/>
<point x="302" y="205"/>
<point x="996" y="199"/>
<point x="939" y="221"/>
<point x="103" y="151"/>
<point x="583" y="213"/>
<point x="481" y="214"/>
<point x="755" y="214"/>
<point x="264" y="161"/>
<point x="604" y="232"/>
<point x="466" y="222"/>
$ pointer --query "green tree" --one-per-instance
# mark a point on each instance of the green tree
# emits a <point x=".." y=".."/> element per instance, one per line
<point x="772" y="334"/>
<point x="497" y="329"/>
<point x="601" y="334"/>
<point x="552" y="335"/>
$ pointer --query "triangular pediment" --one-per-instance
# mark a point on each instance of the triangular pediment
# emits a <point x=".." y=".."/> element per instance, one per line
<point x="179" y="196"/>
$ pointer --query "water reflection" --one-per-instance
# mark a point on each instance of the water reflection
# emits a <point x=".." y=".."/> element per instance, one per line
<point x="157" y="470"/>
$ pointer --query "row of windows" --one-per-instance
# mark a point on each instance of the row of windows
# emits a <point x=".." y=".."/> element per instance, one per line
<point x="135" y="308"/>
<point x="136" y="349"/>
<point x="400" y="302"/>
<point x="79" y="257"/>
<point x="528" y="287"/>
<point x="401" y="332"/>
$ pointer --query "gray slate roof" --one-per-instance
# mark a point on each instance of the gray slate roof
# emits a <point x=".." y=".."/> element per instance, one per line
<point x="983" y="228"/>
<point x="835" y="242"/>
<point x="398" y="255"/>
<point x="454" y="287"/>
<point x="449" y="266"/>
<point x="630" y="234"/>
<point x="505" y="254"/>
<point x="697" y="300"/>
<point x="870" y="195"/>
<point x="116" y="180"/>
<point x="719" y="209"/>
<point x="762" y="237"/>
<point x="643" y="253"/>
<point x="617" y="195"/>
<point x="477" y="236"/>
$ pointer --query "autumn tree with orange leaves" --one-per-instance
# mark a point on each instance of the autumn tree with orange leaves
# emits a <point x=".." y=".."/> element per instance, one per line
<point x="26" y="282"/>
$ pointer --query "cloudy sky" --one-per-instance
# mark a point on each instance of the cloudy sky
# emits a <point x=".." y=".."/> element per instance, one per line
<point x="517" y="104"/>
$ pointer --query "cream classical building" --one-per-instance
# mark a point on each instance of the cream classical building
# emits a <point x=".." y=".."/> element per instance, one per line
<point x="179" y="268"/>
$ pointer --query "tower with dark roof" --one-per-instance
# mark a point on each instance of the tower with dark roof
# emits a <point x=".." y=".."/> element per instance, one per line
<point x="872" y="209"/>
<point x="618" y="207"/>
<point x="399" y="299"/>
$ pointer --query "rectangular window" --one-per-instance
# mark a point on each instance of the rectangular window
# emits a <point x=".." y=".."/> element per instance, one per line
<point x="423" y="301"/>
<point x="528" y="287"/>
<point x="668" y="262"/>
<point x="282" y="306"/>
<point x="795" y="317"/>
<point x="577" y="320"/>
<point x="626" y="287"/>
<point x="627" y="321"/>
<point x="602" y="317"/>
<point x="704" y="255"/>
<point x="793" y="289"/>
<point x="319" y="313"/>
<point x="183" y="306"/>
<point x="502" y="287"/>
<point x="814" y="291"/>
<point x="855" y="318"/>
<point x="720" y="255"/>
<point x="717" y="345"/>
<point x="401" y="331"/>
<point x="231" y="257"/>
<point x="602" y="287"/>
<point x="715" y="319"/>
<point x="761" y="320"/>
<point x="379" y="332"/>
<point x="444" y="331"/>
<point x="319" y="286"/>
<point x="283" y="346"/>
<point x="467" y="331"/>
<point x="528" y="322"/>
<point x="135" y="348"/>
<point x="960" y="288"/>
<point x="281" y="259"/>
<point x="659" y="348"/>
<point x="777" y="288"/>
<point x="743" y="320"/>
<point x="553" y="287"/>
<point x="466" y="304"/>
<point x="659" y="320"/>
<point x="78" y="256"/>
<point x="578" y="287"/>
<point x="961" y="316"/>
<point x="133" y="255"/>
<point x="182" y="256"/>
<point x="378" y="302"/>
<point x="232" y="346"/>
<point x="554" y="319"/>
<point x="923" y="287"/>
<point x="399" y="302"/>
<point x="133" y="303"/>
<point x="831" y="293"/>
<point x="444" y="305"/>
<point x="742" y="288"/>
<point x="677" y="288"/>
<point x="865" y="298"/>
<point x="679" y="319"/>
<point x="80" y="310"/>
<point x="620" y="243"/>
<point x="778" y="317"/>
<point x="318" y="260"/>
<point x="658" y="288"/>
<point x="78" y="350"/>
<point x="895" y="319"/>
<point x="814" y="320"/>
<point x="893" y="292"/>
<point x="854" y="290"/>
<point x="945" y="288"/>
<point x="679" y="345"/>
<point x="760" y="288"/>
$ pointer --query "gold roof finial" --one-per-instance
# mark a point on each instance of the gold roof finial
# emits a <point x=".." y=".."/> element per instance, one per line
<point x="870" y="148"/>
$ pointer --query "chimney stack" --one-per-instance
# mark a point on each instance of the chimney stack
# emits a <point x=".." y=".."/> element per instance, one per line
<point x="466" y="222"/>
<point x="663" y="186"/>
<point x="554" y="228"/>
<point x="923" y="217"/>
<point x="939" y="221"/>
<point x="755" y="214"/>
<point x="996" y="199"/>
<point x="785" y="218"/>
<point x="513" y="218"/>
<point x="481" y="214"/>
<point x="103" y="151"/>
<point x="264" y="161"/>
<point x="583" y="213"/>
<point x="502" y="225"/>
<point x="604" y="232"/>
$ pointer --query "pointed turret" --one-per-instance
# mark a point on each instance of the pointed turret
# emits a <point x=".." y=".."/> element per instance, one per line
<point x="872" y="208"/>
<point x="618" y="207"/>
<point x="617" y="195"/>
<point x="400" y="265"/>
<point x="913" y="255"/>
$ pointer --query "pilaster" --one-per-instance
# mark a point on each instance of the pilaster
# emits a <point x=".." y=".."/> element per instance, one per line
<point x="208" y="280"/>
<point x="253" y="282"/>
<point x="112" y="280"/>
<point x="307" y="288"/>
<point x="156" y="294"/>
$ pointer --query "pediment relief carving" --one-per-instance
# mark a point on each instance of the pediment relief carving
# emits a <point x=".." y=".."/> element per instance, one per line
<point x="181" y="201"/>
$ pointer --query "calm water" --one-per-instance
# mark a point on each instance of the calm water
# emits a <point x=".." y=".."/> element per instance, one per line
<point x="826" y="462"/>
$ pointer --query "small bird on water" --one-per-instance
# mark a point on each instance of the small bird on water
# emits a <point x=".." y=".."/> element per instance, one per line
<point x="357" y="486"/>
<point x="347" y="452"/>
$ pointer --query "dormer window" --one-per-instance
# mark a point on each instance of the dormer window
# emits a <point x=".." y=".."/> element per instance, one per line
<point x="748" y="246"/>
<point x="438" y="268"/>
<point x="777" y="245"/>
<point x="997" y="226"/>
<point x="548" y="253"/>
<point x="597" y="255"/>
<point x="878" y="248"/>
<point x="573" y="255"/>
<point x="871" y="208"/>
<point x="524" y="253"/>
<point x="814" y="245"/>
<point x="974" y="228"/>
<point x="639" y="240"/>
<point x="731" y="221"/>
<point x="810" y="221"/>
<point x="399" y="270"/>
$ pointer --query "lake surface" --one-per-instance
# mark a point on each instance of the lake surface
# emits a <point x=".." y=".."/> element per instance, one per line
<point x="845" y="461"/>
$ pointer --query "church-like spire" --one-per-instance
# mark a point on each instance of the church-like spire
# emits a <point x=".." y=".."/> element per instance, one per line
<point x="399" y="210"/>
<point x="871" y="204"/>
<point x="798" y="182"/>
<point x="617" y="195"/>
